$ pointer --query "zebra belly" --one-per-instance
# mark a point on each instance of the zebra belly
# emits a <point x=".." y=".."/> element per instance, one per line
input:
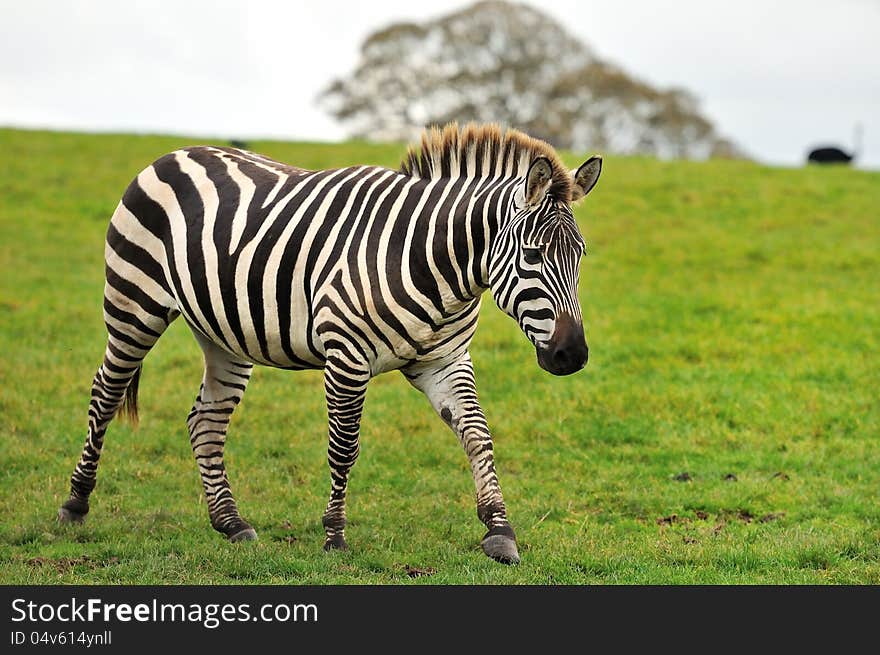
<point x="257" y="329"/>
<point x="287" y="353"/>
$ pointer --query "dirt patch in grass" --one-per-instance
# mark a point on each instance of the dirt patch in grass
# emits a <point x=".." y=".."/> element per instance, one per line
<point x="417" y="572"/>
<point x="772" y="516"/>
<point x="743" y="515"/>
<point x="672" y="519"/>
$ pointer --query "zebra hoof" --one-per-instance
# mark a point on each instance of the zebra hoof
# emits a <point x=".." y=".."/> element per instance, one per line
<point x="69" y="516"/>
<point x="501" y="548"/>
<point x="248" y="534"/>
<point x="336" y="542"/>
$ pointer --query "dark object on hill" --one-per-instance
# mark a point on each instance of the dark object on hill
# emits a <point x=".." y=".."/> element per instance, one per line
<point x="235" y="143"/>
<point x="829" y="155"/>
<point x="834" y="155"/>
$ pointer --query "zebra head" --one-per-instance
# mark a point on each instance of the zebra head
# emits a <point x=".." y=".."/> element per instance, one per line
<point x="535" y="264"/>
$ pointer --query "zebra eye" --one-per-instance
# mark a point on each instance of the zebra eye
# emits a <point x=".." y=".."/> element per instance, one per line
<point x="533" y="256"/>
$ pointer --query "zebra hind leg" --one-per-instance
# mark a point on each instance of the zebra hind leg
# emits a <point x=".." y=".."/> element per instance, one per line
<point x="223" y="386"/>
<point x="114" y="390"/>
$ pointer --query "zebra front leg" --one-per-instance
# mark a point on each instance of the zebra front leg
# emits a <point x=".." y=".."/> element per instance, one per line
<point x="451" y="388"/>
<point x="345" y="385"/>
<point x="223" y="386"/>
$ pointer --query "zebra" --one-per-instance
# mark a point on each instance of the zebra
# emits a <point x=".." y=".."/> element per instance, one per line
<point x="357" y="271"/>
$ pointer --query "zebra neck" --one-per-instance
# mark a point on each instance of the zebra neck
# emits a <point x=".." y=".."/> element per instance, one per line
<point x="453" y="235"/>
<point x="492" y="212"/>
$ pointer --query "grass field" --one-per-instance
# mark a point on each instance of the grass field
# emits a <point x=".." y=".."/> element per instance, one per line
<point x="733" y="316"/>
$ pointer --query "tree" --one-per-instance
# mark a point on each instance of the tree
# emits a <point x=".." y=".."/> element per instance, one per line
<point x="509" y="63"/>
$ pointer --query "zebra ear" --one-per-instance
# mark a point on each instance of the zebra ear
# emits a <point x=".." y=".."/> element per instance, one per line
<point x="538" y="180"/>
<point x="585" y="177"/>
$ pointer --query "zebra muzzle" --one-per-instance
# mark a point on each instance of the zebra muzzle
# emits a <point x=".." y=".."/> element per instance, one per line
<point x="566" y="352"/>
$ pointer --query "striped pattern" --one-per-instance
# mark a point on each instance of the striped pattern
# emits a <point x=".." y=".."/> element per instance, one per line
<point x="356" y="270"/>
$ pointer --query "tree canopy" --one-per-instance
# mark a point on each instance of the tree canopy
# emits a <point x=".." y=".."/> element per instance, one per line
<point x="509" y="63"/>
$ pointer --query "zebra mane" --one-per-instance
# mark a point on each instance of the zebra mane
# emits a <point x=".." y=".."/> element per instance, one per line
<point x="483" y="151"/>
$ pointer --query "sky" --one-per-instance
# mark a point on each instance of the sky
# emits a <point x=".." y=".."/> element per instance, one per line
<point x="777" y="77"/>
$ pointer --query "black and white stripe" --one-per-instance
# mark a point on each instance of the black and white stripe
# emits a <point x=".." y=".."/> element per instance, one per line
<point x="356" y="270"/>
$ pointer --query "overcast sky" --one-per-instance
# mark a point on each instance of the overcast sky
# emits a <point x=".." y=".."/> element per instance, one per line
<point x="776" y="76"/>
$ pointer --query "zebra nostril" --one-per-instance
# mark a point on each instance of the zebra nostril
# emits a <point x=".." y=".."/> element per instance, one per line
<point x="560" y="358"/>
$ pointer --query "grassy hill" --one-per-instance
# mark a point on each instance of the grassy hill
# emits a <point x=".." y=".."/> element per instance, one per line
<point x="725" y="430"/>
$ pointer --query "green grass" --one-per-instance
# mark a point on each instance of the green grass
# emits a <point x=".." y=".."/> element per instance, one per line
<point x="733" y="315"/>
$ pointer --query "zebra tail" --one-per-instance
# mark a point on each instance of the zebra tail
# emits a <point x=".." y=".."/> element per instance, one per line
<point x="128" y="411"/>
